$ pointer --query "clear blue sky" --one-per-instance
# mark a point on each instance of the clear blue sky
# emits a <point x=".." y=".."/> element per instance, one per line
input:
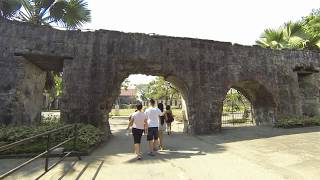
<point x="237" y="21"/>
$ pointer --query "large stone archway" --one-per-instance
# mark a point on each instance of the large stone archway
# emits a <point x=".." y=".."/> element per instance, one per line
<point x="95" y="63"/>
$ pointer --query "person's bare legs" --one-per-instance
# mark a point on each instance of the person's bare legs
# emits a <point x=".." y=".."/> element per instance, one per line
<point x="150" y="146"/>
<point x="169" y="128"/>
<point x="137" y="149"/>
<point x="161" y="139"/>
<point x="155" y="143"/>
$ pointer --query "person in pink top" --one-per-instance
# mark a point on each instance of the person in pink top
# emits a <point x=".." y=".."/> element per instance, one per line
<point x="138" y="121"/>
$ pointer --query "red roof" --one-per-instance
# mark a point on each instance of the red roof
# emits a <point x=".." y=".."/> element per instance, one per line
<point x="128" y="92"/>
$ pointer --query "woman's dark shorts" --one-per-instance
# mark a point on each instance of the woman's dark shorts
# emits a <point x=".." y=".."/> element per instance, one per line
<point x="152" y="133"/>
<point x="137" y="133"/>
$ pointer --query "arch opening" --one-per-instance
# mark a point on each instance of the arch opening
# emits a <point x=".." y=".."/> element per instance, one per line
<point x="237" y="110"/>
<point x="248" y="103"/>
<point x="139" y="89"/>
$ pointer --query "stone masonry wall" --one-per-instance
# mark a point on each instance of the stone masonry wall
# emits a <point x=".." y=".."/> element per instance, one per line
<point x="203" y="70"/>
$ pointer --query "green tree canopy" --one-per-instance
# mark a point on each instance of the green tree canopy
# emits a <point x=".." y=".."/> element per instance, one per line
<point x="158" y="89"/>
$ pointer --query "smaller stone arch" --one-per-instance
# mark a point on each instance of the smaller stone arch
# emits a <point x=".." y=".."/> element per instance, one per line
<point x="262" y="100"/>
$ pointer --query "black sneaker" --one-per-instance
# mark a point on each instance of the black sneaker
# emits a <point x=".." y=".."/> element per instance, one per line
<point x="151" y="154"/>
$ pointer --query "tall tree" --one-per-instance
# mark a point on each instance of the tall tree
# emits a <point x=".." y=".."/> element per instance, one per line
<point x="143" y="91"/>
<point x="160" y="89"/>
<point x="311" y="24"/>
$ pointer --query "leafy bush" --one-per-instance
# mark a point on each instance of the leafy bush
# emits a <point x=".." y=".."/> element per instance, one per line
<point x="132" y="106"/>
<point x="290" y="122"/>
<point x="124" y="106"/>
<point x="237" y="121"/>
<point x="51" y="119"/>
<point x="88" y="136"/>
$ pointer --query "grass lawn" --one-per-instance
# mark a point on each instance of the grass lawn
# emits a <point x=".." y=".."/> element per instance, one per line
<point x="122" y="112"/>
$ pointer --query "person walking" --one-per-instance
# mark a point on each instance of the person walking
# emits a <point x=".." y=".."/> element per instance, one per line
<point x="153" y="113"/>
<point x="169" y="118"/>
<point x="162" y="126"/>
<point x="139" y="123"/>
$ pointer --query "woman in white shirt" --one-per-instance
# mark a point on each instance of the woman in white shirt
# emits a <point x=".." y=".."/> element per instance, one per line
<point x="139" y="123"/>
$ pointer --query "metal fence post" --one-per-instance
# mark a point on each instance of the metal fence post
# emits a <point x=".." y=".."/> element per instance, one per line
<point x="75" y="140"/>
<point x="48" y="153"/>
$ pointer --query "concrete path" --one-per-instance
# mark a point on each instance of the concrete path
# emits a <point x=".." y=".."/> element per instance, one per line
<point x="236" y="153"/>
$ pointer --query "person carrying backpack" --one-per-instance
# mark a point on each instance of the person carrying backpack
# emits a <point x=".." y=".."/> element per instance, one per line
<point x="162" y="126"/>
<point x="169" y="119"/>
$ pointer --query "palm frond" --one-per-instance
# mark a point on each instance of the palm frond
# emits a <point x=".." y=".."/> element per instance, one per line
<point x="57" y="11"/>
<point x="77" y="14"/>
<point x="294" y="29"/>
<point x="28" y="7"/>
<point x="8" y="8"/>
<point x="313" y="43"/>
<point x="272" y="38"/>
<point x="70" y="14"/>
<point x="45" y="5"/>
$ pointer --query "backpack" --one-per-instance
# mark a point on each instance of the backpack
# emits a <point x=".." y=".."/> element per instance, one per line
<point x="162" y="120"/>
<point x="170" y="117"/>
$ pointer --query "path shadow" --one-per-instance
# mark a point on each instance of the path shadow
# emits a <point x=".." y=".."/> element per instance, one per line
<point x="185" y="146"/>
<point x="36" y="169"/>
<point x="177" y="146"/>
<point x="235" y="134"/>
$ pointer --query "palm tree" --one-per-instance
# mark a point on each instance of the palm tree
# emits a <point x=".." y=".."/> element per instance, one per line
<point x="272" y="38"/>
<point x="69" y="14"/>
<point x="292" y="35"/>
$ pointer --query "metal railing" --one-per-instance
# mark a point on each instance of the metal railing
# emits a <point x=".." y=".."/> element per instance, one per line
<point x="236" y="119"/>
<point x="48" y="150"/>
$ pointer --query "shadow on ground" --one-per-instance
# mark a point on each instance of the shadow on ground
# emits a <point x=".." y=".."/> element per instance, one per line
<point x="119" y="149"/>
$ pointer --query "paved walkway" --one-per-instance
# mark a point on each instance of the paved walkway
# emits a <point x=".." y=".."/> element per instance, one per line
<point x="236" y="153"/>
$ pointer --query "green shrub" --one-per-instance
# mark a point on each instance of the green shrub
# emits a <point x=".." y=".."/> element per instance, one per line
<point x="124" y="106"/>
<point x="51" y="119"/>
<point x="237" y="121"/>
<point x="88" y="136"/>
<point x="132" y="106"/>
<point x="290" y="122"/>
